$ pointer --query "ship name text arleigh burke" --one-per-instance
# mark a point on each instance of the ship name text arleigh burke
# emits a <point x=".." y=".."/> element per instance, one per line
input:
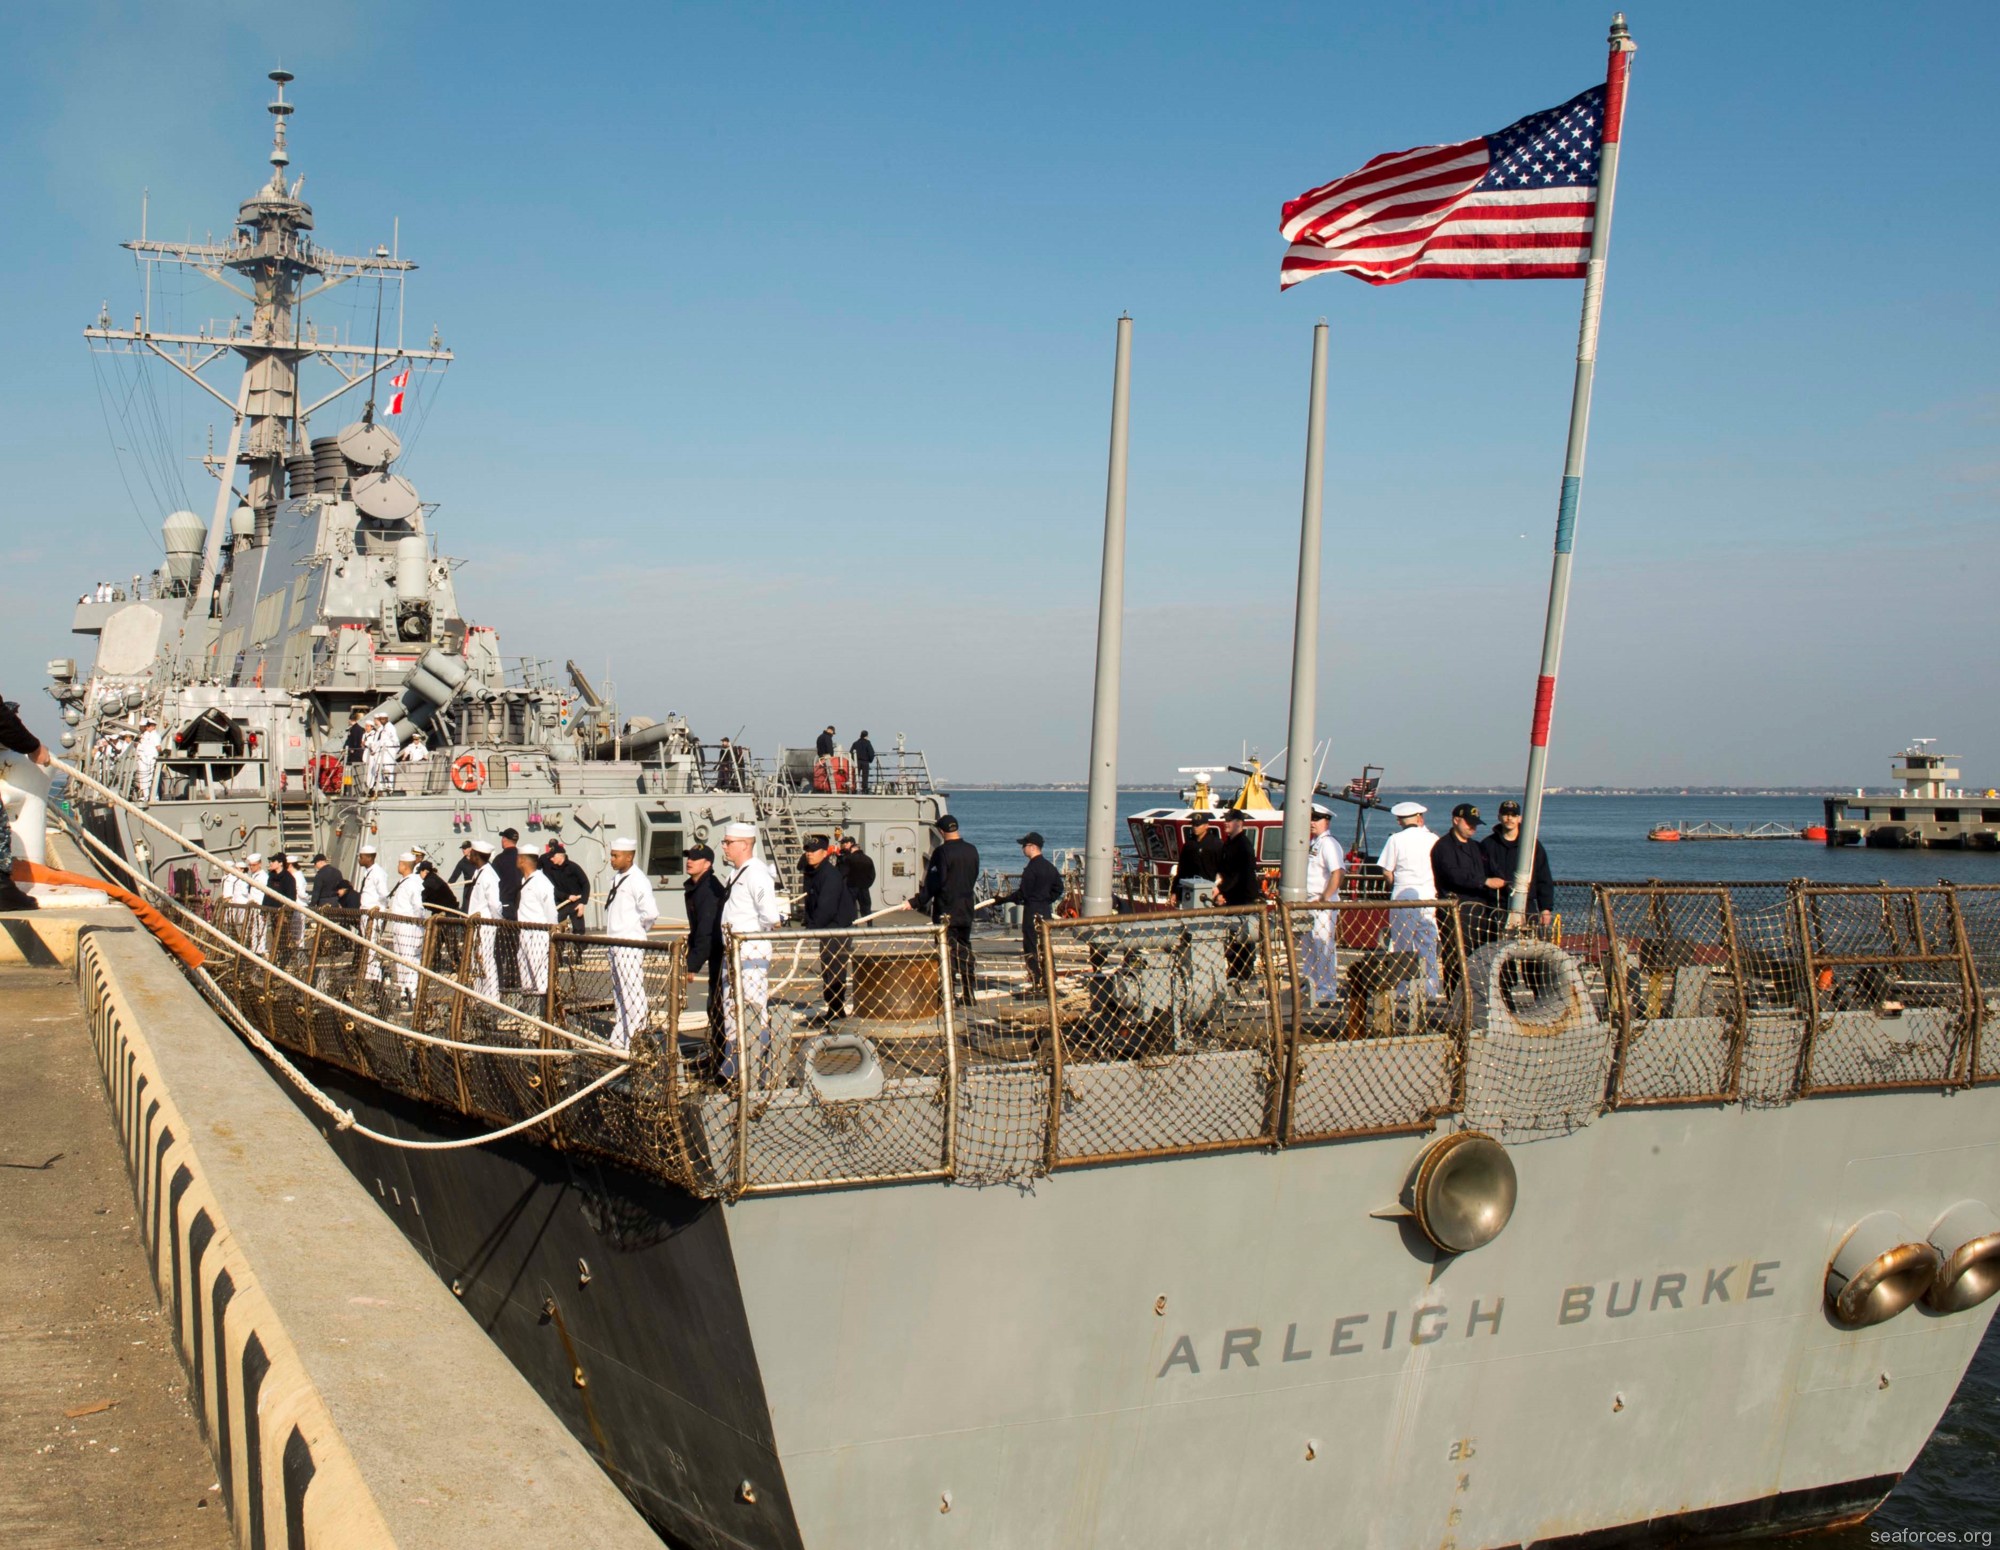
<point x="1354" y="1334"/>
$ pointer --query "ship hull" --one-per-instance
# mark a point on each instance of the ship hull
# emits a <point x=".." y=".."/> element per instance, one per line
<point x="1230" y="1348"/>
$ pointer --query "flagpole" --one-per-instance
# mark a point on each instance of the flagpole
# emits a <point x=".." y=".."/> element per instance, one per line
<point x="1305" y="643"/>
<point x="1622" y="49"/>
<point x="1100" y="822"/>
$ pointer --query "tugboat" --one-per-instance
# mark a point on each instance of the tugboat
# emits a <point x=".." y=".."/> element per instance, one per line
<point x="1159" y="832"/>
<point x="1928" y="814"/>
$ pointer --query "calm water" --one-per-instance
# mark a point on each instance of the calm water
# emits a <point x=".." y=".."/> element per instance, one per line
<point x="1954" y="1484"/>
<point x="1598" y="839"/>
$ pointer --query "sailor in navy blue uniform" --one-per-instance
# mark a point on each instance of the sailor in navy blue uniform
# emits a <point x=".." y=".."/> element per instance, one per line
<point x="1038" y="893"/>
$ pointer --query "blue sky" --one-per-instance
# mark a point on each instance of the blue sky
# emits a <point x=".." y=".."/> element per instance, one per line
<point x="784" y="345"/>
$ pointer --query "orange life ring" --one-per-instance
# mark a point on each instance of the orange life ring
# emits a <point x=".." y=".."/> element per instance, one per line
<point x="325" y="771"/>
<point x="468" y="772"/>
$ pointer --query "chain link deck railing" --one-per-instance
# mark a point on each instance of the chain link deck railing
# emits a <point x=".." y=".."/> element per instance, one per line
<point x="842" y="1054"/>
<point x="1166" y="1034"/>
<point x="1380" y="1009"/>
<point x="1979" y="914"/>
<point x="1890" y="989"/>
<point x="848" y="1057"/>
<point x="1668" y="959"/>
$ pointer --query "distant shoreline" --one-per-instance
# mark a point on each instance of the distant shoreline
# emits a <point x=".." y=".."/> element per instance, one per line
<point x="1476" y="790"/>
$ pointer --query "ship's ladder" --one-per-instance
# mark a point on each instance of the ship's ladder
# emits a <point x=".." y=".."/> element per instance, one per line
<point x="778" y="829"/>
<point x="295" y="827"/>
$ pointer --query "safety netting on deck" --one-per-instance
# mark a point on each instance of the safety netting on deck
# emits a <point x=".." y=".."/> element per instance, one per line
<point x="835" y="1058"/>
<point x="473" y="1015"/>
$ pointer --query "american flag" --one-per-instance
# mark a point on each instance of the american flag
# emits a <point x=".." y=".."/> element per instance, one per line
<point x="1516" y="205"/>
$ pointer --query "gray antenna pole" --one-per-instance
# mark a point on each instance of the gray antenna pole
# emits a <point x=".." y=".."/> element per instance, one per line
<point x="1100" y="832"/>
<point x="1305" y="643"/>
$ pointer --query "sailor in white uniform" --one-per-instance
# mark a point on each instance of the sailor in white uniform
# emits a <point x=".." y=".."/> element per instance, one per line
<point x="537" y="908"/>
<point x="751" y="905"/>
<point x="260" y="919"/>
<point x="147" y="757"/>
<point x="1407" y="859"/>
<point x="406" y="927"/>
<point x="1316" y="951"/>
<point x="629" y="911"/>
<point x="237" y="894"/>
<point x="483" y="903"/>
<point x="418" y="751"/>
<point x="371" y="885"/>
<point x="382" y="746"/>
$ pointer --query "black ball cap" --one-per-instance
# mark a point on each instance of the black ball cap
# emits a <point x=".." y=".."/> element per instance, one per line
<point x="700" y="853"/>
<point x="1510" y="809"/>
<point x="815" y="842"/>
<point x="947" y="824"/>
<point x="510" y="834"/>
<point x="1468" y="812"/>
<point x="1030" y="838"/>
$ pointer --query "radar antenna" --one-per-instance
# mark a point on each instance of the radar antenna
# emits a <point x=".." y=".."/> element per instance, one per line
<point x="271" y="261"/>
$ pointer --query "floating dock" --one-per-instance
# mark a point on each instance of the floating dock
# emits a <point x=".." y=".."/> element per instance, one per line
<point x="1674" y="832"/>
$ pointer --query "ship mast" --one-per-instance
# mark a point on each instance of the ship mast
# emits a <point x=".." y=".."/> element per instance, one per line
<point x="272" y="262"/>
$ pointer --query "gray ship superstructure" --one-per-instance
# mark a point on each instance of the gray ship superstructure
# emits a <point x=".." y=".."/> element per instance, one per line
<point x="318" y="590"/>
<point x="1350" y="1223"/>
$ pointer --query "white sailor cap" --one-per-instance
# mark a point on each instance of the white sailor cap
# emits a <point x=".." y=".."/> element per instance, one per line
<point x="739" y="831"/>
<point x="253" y="858"/>
<point x="1408" y="810"/>
<point x="367" y="848"/>
<point x="529" y="849"/>
<point x="479" y="847"/>
<point x="409" y="856"/>
<point x="624" y="842"/>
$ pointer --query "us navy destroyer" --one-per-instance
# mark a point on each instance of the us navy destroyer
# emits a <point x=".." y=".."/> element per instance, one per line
<point x="225" y="681"/>
<point x="1270" y="1225"/>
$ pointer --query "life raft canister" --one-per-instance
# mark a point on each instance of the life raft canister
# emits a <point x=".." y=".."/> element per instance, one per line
<point x="833" y="772"/>
<point x="325" y="771"/>
<point x="468" y="772"/>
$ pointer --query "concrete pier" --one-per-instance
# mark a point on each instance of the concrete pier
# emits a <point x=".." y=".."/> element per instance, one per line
<point x="329" y="1390"/>
<point x="98" y="1445"/>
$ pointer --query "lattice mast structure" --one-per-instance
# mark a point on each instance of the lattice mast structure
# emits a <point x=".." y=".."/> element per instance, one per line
<point x="271" y="261"/>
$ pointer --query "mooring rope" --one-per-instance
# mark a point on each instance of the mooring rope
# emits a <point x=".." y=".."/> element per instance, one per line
<point x="344" y="1118"/>
<point x="582" y="1041"/>
<point x="346" y="1009"/>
